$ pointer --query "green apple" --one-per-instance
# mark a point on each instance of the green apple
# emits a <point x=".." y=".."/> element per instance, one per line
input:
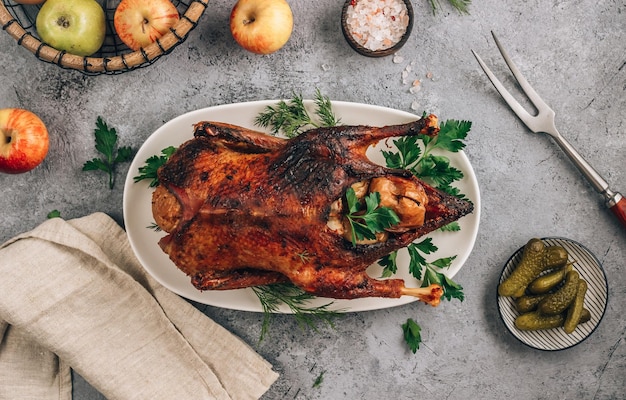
<point x="76" y="26"/>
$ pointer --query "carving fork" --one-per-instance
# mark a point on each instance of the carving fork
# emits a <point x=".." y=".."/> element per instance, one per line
<point x="544" y="122"/>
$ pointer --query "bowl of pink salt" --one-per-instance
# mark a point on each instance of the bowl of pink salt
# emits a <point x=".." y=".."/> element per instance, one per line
<point x="377" y="28"/>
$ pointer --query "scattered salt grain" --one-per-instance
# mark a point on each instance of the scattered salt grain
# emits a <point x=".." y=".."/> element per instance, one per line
<point x="415" y="105"/>
<point x="415" y="87"/>
<point x="377" y="24"/>
<point x="405" y="75"/>
<point x="398" y="59"/>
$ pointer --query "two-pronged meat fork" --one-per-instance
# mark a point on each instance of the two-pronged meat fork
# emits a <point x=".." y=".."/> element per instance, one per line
<point x="544" y="122"/>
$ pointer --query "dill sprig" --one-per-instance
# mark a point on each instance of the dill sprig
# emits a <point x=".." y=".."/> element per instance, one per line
<point x="462" y="6"/>
<point x="272" y="296"/>
<point x="292" y="118"/>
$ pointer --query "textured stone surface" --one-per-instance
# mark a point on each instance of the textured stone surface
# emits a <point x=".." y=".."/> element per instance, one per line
<point x="573" y="52"/>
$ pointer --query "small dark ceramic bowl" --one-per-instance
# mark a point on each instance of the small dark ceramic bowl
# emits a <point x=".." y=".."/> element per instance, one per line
<point x="375" y="53"/>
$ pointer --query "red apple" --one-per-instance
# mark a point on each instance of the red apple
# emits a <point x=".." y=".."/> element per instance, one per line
<point x="261" y="26"/>
<point x="139" y="23"/>
<point x="23" y="140"/>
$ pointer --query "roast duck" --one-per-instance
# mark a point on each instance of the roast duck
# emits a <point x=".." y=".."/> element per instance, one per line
<point x="242" y="208"/>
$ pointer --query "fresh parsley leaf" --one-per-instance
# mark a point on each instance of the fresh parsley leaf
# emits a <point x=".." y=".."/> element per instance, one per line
<point x="431" y="272"/>
<point x="365" y="224"/>
<point x="106" y="144"/>
<point x="54" y="214"/>
<point x="451" y="227"/>
<point x="431" y="168"/>
<point x="389" y="264"/>
<point x="450" y="137"/>
<point x="272" y="296"/>
<point x="436" y="171"/>
<point x="412" y="334"/>
<point x="408" y="153"/>
<point x="149" y="170"/>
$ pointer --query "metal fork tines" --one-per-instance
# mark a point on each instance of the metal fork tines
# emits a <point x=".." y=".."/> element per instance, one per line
<point x="544" y="122"/>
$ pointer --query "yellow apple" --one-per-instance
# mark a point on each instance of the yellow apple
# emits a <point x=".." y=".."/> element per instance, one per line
<point x="261" y="26"/>
<point x="139" y="23"/>
<point x="76" y="26"/>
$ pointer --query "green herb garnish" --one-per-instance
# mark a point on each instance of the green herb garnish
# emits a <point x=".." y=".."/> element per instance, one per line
<point x="153" y="226"/>
<point x="427" y="272"/>
<point x="291" y="117"/>
<point x="54" y="214"/>
<point x="272" y="296"/>
<point x="365" y="224"/>
<point x="149" y="170"/>
<point x="462" y="6"/>
<point x="431" y="168"/>
<point x="412" y="334"/>
<point x="318" y="381"/>
<point x="106" y="143"/>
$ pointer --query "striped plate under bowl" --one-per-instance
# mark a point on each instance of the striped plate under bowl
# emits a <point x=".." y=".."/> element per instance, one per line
<point x="596" y="298"/>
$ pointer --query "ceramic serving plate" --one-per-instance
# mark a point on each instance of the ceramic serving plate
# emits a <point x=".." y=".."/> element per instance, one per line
<point x="144" y="240"/>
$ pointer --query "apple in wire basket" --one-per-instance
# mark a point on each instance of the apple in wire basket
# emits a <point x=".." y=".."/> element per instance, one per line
<point x="75" y="26"/>
<point x="139" y="23"/>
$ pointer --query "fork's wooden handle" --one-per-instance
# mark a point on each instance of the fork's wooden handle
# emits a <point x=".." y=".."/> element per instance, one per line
<point x="619" y="209"/>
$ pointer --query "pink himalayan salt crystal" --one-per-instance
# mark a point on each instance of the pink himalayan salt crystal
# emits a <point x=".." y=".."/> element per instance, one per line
<point x="377" y="24"/>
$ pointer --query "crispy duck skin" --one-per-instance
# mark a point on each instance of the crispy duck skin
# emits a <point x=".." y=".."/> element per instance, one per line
<point x="243" y="208"/>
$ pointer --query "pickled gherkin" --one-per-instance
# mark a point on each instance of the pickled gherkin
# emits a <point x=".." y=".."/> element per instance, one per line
<point x="536" y="258"/>
<point x="534" y="321"/>
<point x="575" y="309"/>
<point x="557" y="302"/>
<point x="528" y="303"/>
<point x="528" y="269"/>
<point x="549" y="281"/>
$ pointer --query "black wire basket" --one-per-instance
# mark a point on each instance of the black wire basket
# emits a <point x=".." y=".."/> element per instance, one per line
<point x="114" y="57"/>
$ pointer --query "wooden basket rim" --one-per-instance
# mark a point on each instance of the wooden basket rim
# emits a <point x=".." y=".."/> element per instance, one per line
<point x="100" y="65"/>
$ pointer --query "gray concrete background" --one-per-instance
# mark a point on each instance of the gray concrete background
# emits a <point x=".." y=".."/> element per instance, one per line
<point x="573" y="52"/>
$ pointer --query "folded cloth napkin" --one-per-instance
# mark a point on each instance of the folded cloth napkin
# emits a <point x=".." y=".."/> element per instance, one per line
<point x="73" y="295"/>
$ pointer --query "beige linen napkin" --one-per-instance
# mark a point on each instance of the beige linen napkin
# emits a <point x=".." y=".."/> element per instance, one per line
<point x="73" y="295"/>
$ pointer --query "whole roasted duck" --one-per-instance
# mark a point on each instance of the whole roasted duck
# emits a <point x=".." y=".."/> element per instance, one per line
<point x="243" y="208"/>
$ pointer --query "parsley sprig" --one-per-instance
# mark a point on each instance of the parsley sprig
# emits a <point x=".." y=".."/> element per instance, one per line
<point x="106" y="144"/>
<point x="272" y="296"/>
<point x="366" y="223"/>
<point x="149" y="170"/>
<point x="422" y="270"/>
<point x="432" y="168"/>
<point x="292" y="118"/>
<point x="412" y="334"/>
